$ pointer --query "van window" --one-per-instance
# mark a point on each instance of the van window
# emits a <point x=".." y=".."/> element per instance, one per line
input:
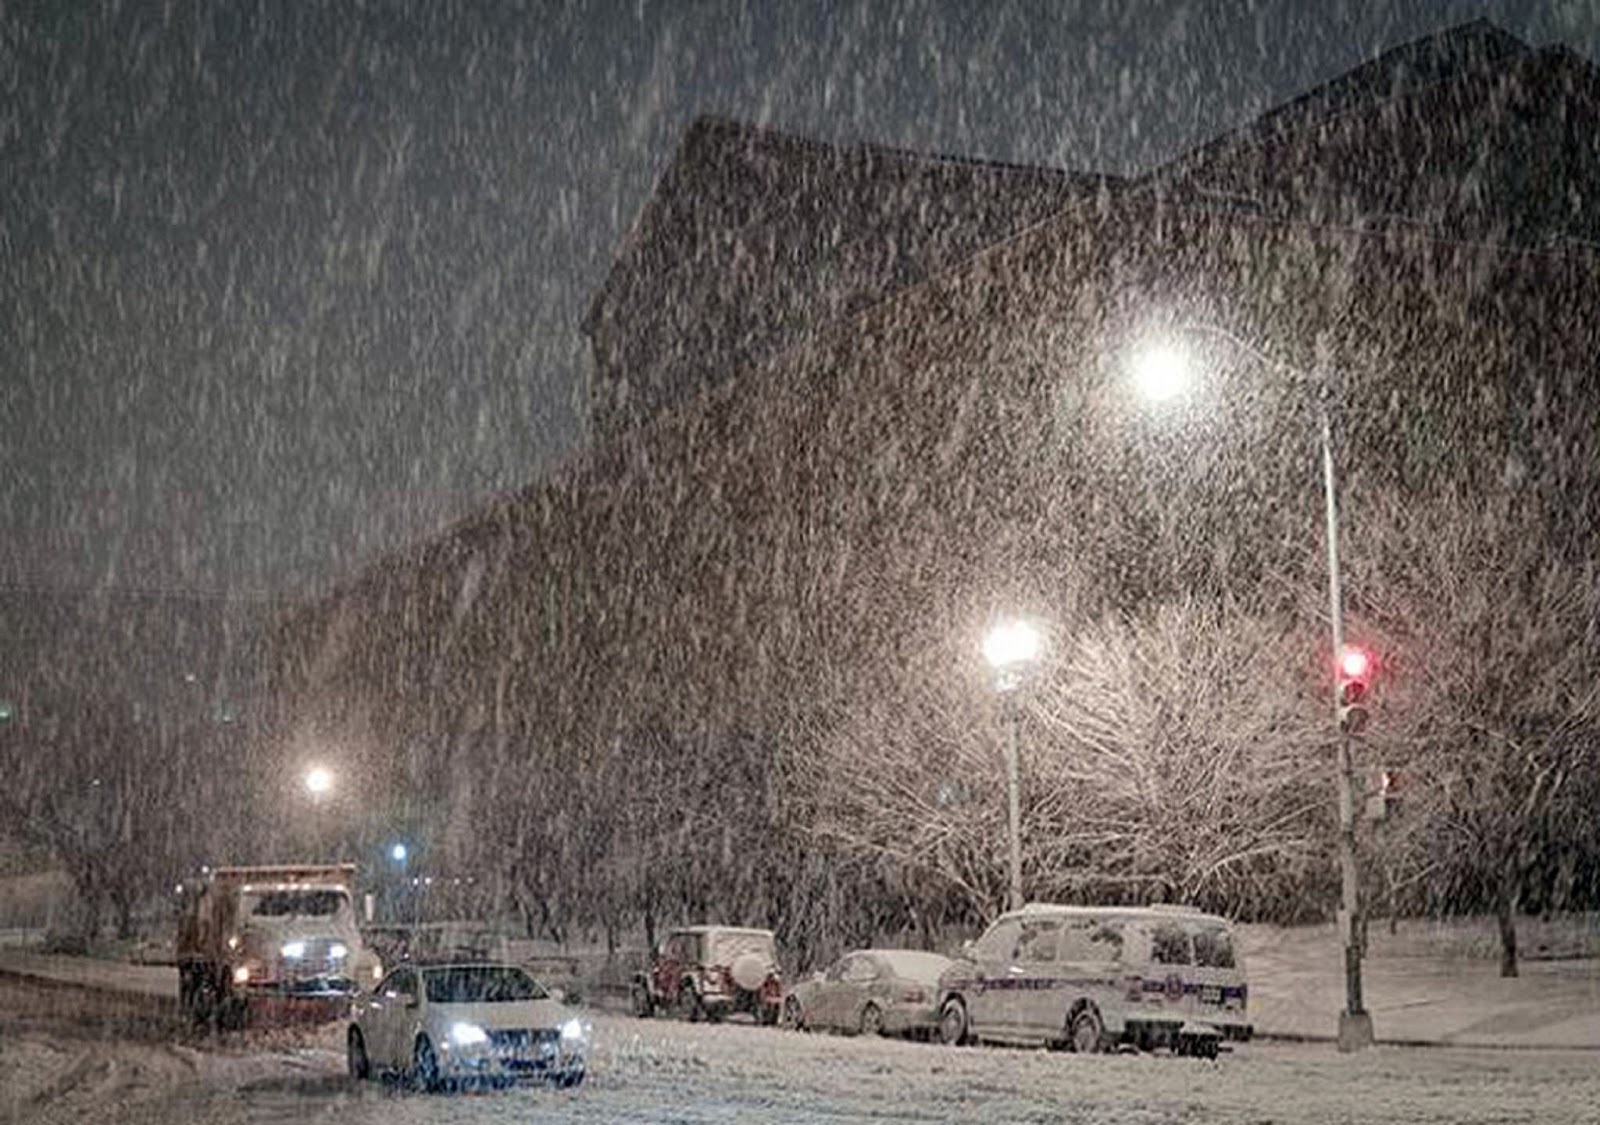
<point x="1169" y="945"/>
<point x="1000" y="943"/>
<point x="1213" y="948"/>
<point x="1039" y="940"/>
<point x="1091" y="940"/>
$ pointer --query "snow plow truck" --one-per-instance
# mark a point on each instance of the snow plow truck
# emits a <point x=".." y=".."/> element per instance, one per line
<point x="272" y="944"/>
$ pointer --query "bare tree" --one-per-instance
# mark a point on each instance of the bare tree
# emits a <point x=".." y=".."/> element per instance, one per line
<point x="1501" y="631"/>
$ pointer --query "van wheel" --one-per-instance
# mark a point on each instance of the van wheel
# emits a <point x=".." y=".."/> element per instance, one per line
<point x="1088" y="1033"/>
<point x="953" y="1028"/>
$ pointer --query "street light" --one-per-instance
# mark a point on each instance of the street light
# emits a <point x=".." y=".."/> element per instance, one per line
<point x="1011" y="648"/>
<point x="1163" y="372"/>
<point x="319" y="782"/>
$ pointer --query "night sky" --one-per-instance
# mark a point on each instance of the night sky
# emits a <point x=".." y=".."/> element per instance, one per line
<point x="285" y="285"/>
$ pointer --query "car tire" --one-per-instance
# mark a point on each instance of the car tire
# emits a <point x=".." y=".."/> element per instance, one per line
<point x="686" y="1005"/>
<point x="1087" y="1035"/>
<point x="871" y="1022"/>
<point x="355" y="1052"/>
<point x="954" y="1029"/>
<point x="794" y="1017"/>
<point x="643" y="1004"/>
<point x="424" y="1072"/>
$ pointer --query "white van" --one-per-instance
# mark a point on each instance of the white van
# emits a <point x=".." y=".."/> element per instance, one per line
<point x="1093" y="977"/>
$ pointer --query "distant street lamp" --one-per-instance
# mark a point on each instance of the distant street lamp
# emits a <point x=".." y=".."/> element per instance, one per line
<point x="1011" y="648"/>
<point x="398" y="853"/>
<point x="1162" y="373"/>
<point x="319" y="782"/>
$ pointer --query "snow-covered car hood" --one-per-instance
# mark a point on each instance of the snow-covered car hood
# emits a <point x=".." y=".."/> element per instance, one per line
<point x="502" y="1014"/>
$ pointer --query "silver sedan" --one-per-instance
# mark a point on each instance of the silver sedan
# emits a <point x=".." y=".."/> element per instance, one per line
<point x="871" y="992"/>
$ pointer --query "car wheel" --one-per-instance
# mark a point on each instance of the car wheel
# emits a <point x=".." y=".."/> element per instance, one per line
<point x="686" y="1005"/>
<point x="793" y="1017"/>
<point x="643" y="1006"/>
<point x="953" y="1028"/>
<point x="871" y="1020"/>
<point x="355" y="1052"/>
<point x="424" y="1073"/>
<point x="1088" y="1032"/>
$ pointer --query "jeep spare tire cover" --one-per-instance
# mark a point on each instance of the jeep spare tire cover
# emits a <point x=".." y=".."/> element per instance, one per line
<point x="749" y="971"/>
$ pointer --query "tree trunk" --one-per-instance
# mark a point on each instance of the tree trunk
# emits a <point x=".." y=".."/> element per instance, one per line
<point x="1506" y="915"/>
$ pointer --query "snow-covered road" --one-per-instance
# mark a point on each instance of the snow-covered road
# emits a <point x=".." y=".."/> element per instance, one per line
<point x="71" y="1056"/>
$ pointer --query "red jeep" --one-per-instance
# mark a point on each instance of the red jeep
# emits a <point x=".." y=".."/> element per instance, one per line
<point x="710" y="972"/>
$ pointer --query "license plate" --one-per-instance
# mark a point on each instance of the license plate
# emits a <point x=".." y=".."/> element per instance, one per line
<point x="1211" y="994"/>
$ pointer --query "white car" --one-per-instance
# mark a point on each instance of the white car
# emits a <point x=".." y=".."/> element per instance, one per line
<point x="440" y="1024"/>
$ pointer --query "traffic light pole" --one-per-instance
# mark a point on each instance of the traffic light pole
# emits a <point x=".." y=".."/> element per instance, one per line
<point x="1355" y="1022"/>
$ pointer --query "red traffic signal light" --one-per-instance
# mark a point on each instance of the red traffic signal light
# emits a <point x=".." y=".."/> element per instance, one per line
<point x="1355" y="671"/>
<point x="1355" y="663"/>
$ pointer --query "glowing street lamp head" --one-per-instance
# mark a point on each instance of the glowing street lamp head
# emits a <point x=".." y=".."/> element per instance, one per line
<point x="1162" y="372"/>
<point x="398" y="853"/>
<point x="1010" y="645"/>
<point x="318" y="781"/>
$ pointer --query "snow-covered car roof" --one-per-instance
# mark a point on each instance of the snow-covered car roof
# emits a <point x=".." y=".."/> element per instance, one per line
<point x="1161" y="912"/>
<point x="722" y="930"/>
<point x="912" y="964"/>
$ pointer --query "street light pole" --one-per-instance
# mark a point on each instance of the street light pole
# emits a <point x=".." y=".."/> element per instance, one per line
<point x="1011" y="648"/>
<point x="1013" y="800"/>
<point x="1162" y="380"/>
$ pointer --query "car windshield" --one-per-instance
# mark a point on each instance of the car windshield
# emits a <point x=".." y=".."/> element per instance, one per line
<point x="296" y="904"/>
<point x="481" y="984"/>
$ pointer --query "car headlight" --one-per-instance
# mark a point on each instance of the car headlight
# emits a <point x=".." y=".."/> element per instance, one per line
<point x="241" y="974"/>
<point x="338" y="951"/>
<point x="468" y="1035"/>
<point x="377" y="970"/>
<point x="293" y="950"/>
<point x="573" y="1032"/>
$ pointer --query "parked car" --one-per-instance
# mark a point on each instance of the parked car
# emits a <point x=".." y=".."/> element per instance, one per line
<point x="438" y="1024"/>
<point x="711" y="972"/>
<point x="1091" y="978"/>
<point x="871" y="992"/>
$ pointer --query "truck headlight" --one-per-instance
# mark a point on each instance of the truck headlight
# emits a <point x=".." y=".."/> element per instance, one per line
<point x="468" y="1035"/>
<point x="293" y="950"/>
<point x="573" y="1032"/>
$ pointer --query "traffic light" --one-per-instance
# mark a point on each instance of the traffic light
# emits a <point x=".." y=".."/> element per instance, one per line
<point x="1386" y="790"/>
<point x="1355" y="679"/>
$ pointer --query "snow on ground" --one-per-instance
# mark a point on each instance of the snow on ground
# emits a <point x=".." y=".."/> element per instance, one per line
<point x="58" y="1064"/>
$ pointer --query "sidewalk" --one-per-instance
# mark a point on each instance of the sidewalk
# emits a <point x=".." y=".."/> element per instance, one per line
<point x="1297" y="991"/>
